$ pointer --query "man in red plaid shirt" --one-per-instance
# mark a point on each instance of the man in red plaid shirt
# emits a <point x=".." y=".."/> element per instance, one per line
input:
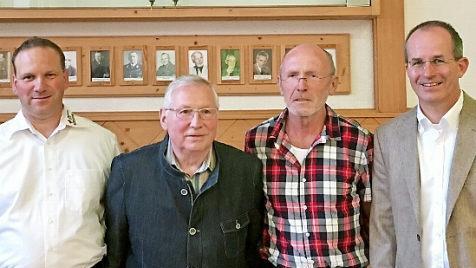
<point x="317" y="168"/>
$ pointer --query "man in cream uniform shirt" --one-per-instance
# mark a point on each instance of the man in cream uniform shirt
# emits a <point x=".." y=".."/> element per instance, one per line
<point x="53" y="169"/>
<point x="424" y="182"/>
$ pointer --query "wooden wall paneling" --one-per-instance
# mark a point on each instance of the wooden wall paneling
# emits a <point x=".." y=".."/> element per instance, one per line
<point x="190" y="14"/>
<point x="390" y="87"/>
<point x="115" y="46"/>
<point x="136" y="129"/>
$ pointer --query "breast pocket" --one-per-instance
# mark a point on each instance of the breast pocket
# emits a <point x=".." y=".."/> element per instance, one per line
<point x="235" y="231"/>
<point x="83" y="189"/>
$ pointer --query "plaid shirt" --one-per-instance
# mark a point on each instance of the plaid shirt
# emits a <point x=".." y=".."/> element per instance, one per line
<point x="313" y="210"/>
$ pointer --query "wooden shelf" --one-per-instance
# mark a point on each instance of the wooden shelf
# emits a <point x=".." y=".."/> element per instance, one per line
<point x="189" y="13"/>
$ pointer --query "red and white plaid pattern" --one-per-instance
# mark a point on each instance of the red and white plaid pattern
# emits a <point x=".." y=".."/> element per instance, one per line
<point x="313" y="210"/>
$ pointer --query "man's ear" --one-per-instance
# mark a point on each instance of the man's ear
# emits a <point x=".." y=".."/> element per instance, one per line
<point x="463" y="65"/>
<point x="280" y="86"/>
<point x="334" y="84"/>
<point x="163" y="119"/>
<point x="14" y="84"/>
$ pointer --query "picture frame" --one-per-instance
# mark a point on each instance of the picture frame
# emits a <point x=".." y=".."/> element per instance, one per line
<point x="263" y="64"/>
<point x="198" y="62"/>
<point x="133" y="65"/>
<point x="72" y="63"/>
<point x="230" y="65"/>
<point x="166" y="64"/>
<point x="100" y="65"/>
<point x="5" y="68"/>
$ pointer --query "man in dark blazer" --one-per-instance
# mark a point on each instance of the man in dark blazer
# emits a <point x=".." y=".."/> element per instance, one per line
<point x="260" y="67"/>
<point x="167" y="68"/>
<point x="187" y="201"/>
<point x="424" y="182"/>
<point x="99" y="68"/>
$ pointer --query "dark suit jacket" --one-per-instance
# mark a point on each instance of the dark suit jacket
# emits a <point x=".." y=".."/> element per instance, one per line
<point x="265" y="70"/>
<point x="99" y="70"/>
<point x="166" y="70"/>
<point x="395" y="228"/>
<point x="153" y="221"/>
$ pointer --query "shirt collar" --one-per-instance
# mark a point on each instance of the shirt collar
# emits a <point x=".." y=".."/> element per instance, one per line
<point x="331" y="128"/>
<point x="449" y="121"/>
<point x="20" y="123"/>
<point x="208" y="164"/>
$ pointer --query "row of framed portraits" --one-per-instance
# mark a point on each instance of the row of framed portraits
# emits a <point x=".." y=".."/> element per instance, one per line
<point x="145" y="65"/>
<point x="167" y="65"/>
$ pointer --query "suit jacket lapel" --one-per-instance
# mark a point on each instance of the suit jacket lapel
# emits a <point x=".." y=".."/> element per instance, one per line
<point x="410" y="166"/>
<point x="464" y="153"/>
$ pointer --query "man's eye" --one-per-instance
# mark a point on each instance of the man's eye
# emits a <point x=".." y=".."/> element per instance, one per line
<point x="28" y="78"/>
<point x="416" y="63"/>
<point x="205" y="111"/>
<point x="185" y="111"/>
<point x="438" y="61"/>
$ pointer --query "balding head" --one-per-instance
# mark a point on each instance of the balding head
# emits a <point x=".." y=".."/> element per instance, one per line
<point x="307" y="50"/>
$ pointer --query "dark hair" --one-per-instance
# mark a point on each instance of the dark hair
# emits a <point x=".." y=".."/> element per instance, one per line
<point x="455" y="38"/>
<point x="38" y="42"/>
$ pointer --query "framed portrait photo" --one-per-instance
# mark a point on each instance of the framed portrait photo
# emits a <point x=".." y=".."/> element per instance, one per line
<point x="5" y="68"/>
<point x="133" y="66"/>
<point x="165" y="64"/>
<point x="198" y="62"/>
<point x="72" y="64"/>
<point x="262" y="63"/>
<point x="230" y="67"/>
<point x="100" y="62"/>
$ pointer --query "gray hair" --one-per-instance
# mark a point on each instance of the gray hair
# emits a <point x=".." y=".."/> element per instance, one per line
<point x="187" y="80"/>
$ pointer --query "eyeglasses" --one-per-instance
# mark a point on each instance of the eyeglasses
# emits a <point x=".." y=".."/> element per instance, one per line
<point x="418" y="64"/>
<point x="294" y="78"/>
<point x="188" y="113"/>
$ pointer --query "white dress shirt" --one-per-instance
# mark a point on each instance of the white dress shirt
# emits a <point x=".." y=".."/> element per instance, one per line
<point x="435" y="148"/>
<point x="51" y="213"/>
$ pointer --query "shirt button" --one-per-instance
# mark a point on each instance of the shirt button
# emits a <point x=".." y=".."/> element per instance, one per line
<point x="303" y="180"/>
<point x="183" y="192"/>
<point x="192" y="231"/>
<point x="50" y="221"/>
<point x="308" y="234"/>
<point x="418" y="237"/>
<point x="304" y="207"/>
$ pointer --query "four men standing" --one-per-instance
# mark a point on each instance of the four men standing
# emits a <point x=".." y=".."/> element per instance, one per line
<point x="190" y="201"/>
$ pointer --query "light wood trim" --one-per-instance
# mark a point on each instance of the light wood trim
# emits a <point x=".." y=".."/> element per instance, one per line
<point x="390" y="87"/>
<point x="190" y="13"/>
<point x="224" y="115"/>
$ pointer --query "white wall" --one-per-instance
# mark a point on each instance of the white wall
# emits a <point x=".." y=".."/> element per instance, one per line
<point x="460" y="14"/>
<point x="361" y="57"/>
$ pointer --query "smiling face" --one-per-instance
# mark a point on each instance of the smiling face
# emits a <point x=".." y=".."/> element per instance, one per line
<point x="306" y="97"/>
<point x="197" y="58"/>
<point x="435" y="86"/>
<point x="40" y="82"/>
<point x="194" y="136"/>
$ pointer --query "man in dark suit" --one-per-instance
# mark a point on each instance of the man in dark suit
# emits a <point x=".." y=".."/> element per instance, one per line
<point x="133" y="69"/>
<point x="260" y="66"/>
<point x="167" y="68"/>
<point x="99" y="68"/>
<point x="424" y="182"/>
<point x="187" y="201"/>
